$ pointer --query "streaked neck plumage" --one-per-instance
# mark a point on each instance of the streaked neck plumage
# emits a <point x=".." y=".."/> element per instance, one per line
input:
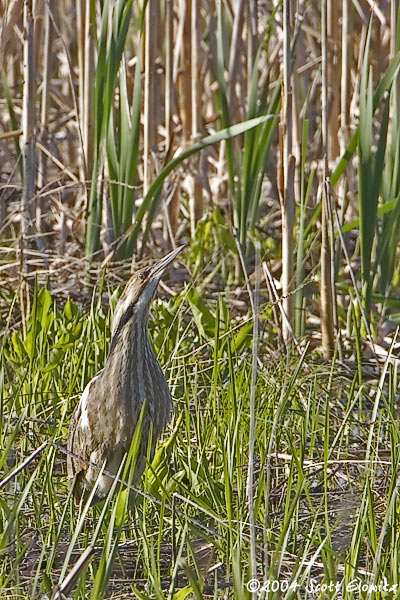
<point x="131" y="353"/>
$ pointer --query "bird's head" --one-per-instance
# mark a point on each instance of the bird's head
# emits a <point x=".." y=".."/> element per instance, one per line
<point x="139" y="292"/>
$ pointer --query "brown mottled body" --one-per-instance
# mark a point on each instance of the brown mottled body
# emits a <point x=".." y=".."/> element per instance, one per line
<point x="105" y="419"/>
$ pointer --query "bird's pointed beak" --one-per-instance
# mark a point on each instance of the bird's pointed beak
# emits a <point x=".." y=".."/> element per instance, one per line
<point x="156" y="271"/>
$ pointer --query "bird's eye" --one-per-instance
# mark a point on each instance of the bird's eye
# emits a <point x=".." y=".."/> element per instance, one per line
<point x="143" y="275"/>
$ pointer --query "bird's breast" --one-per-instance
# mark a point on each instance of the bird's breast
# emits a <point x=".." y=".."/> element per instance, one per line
<point x="132" y="376"/>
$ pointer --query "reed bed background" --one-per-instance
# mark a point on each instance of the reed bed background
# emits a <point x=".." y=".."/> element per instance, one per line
<point x="265" y="136"/>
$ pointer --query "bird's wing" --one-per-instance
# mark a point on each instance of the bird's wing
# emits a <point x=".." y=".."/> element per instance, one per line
<point x="74" y="465"/>
<point x="78" y="436"/>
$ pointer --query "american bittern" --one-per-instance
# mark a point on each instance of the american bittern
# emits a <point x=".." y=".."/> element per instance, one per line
<point x="105" y="419"/>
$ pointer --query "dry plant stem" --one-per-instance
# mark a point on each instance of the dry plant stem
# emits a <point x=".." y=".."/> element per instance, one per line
<point x="44" y="112"/>
<point x="28" y="136"/>
<point x="63" y="169"/>
<point x="172" y="211"/>
<point x="326" y="291"/>
<point x="63" y="590"/>
<point x="393" y="26"/>
<point x="85" y="55"/>
<point x="375" y="9"/>
<point x="286" y="180"/>
<point x="324" y="77"/>
<point x="168" y="229"/>
<point x="287" y="209"/>
<point x="332" y="49"/>
<point x="150" y="114"/>
<point x="186" y="76"/>
<point x="344" y="113"/>
<point x="88" y="93"/>
<point x="80" y="46"/>
<point x="5" y="135"/>
<point x="189" y="105"/>
<point x="296" y="130"/>
<point x="331" y="233"/>
<point x="169" y="27"/>
<point x="234" y="54"/>
<point x="326" y="307"/>
<point x="196" y="199"/>
<point x="195" y="80"/>
<point x="251" y="39"/>
<point x="344" y="82"/>
<point x="22" y="466"/>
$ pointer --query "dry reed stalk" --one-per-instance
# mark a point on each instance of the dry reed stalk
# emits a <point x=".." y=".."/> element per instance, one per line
<point x="286" y="180"/>
<point x="344" y="78"/>
<point x="88" y="93"/>
<point x="234" y="60"/>
<point x="252" y="44"/>
<point x="42" y="204"/>
<point x="196" y="199"/>
<point x="332" y="77"/>
<point x="189" y="96"/>
<point x="28" y="136"/>
<point x="150" y="98"/>
<point x="186" y="75"/>
<point x="169" y="31"/>
<point x="343" y="120"/>
<point x="195" y="70"/>
<point x="85" y="55"/>
<point x="62" y="10"/>
<point x="324" y="81"/>
<point x="326" y="290"/>
<point x="394" y="7"/>
<point x="63" y="590"/>
<point x="296" y="121"/>
<point x="80" y="53"/>
<point x="172" y="212"/>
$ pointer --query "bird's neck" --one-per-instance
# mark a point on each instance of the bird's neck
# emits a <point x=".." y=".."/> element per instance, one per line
<point x="137" y="377"/>
<point x="132" y="363"/>
<point x="130" y="338"/>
